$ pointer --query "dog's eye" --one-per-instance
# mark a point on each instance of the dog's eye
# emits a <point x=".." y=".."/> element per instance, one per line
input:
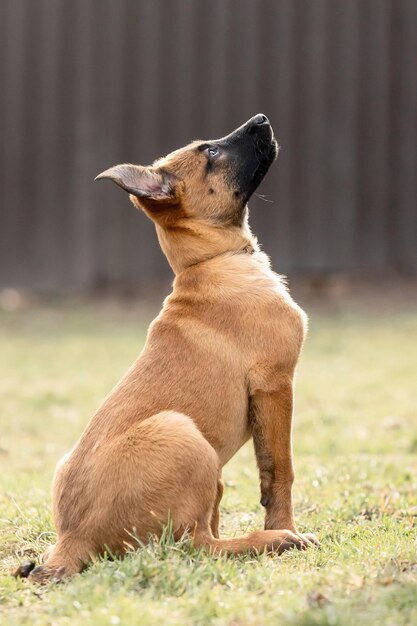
<point x="212" y="151"/>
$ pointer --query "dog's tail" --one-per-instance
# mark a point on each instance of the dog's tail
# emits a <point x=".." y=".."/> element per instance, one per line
<point x="65" y="558"/>
<point x="260" y="541"/>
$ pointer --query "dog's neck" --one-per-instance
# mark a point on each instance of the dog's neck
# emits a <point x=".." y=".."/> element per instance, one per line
<point x="187" y="245"/>
<point x="248" y="249"/>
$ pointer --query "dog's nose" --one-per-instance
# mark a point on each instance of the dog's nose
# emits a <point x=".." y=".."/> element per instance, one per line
<point x="260" y="119"/>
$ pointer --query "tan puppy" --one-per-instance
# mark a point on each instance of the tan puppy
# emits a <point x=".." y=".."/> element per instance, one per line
<point x="216" y="369"/>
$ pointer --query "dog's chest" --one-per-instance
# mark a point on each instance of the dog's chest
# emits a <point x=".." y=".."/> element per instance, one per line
<point x="266" y="319"/>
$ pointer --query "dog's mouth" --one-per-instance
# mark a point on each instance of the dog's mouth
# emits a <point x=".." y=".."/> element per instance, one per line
<point x="265" y="155"/>
<point x="254" y="149"/>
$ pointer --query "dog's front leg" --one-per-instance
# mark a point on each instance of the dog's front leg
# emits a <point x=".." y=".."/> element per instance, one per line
<point x="271" y="417"/>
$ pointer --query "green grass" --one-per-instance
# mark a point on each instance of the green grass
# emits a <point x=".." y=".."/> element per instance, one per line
<point x="355" y="444"/>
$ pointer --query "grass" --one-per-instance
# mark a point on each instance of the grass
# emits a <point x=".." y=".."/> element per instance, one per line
<point x="355" y="446"/>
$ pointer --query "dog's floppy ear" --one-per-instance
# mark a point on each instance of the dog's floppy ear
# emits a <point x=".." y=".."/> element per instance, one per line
<point x="143" y="182"/>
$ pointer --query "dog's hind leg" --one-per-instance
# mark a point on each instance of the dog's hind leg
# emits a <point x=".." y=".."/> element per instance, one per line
<point x="161" y="469"/>
<point x="177" y="474"/>
<point x="67" y="557"/>
<point x="195" y="495"/>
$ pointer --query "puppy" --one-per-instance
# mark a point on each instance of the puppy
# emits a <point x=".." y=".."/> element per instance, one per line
<point x="217" y="368"/>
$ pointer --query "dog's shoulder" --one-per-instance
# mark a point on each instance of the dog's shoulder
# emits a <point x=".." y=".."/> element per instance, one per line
<point x="274" y="322"/>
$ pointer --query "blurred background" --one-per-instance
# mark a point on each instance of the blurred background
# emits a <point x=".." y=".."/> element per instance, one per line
<point x="90" y="83"/>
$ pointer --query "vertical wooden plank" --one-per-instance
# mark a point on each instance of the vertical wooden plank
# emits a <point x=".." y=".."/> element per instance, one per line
<point x="200" y="102"/>
<point x="6" y="268"/>
<point x="32" y="252"/>
<point x="83" y="271"/>
<point x="403" y="161"/>
<point x="142" y="61"/>
<point x="248" y="59"/>
<point x="309" y="132"/>
<point x="108" y="77"/>
<point x="272" y="219"/>
<point x="52" y="204"/>
<point x="242" y="99"/>
<point x="341" y="114"/>
<point x="214" y="24"/>
<point x="167" y="103"/>
<point x="15" y="197"/>
<point x="58" y="159"/>
<point x="141" y="140"/>
<point x="218" y="76"/>
<point x="373" y="137"/>
<point x="187" y="45"/>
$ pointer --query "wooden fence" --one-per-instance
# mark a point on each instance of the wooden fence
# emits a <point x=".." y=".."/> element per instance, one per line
<point x="86" y="84"/>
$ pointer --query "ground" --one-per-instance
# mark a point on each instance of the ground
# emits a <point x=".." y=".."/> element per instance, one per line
<point x="355" y="443"/>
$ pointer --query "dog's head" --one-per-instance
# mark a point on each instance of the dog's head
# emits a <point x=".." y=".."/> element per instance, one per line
<point x="201" y="190"/>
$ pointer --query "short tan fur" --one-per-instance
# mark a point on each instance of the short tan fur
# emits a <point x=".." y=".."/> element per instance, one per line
<point x="217" y="368"/>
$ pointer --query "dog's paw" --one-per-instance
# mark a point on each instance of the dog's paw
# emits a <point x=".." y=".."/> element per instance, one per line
<point x="312" y="539"/>
<point x="289" y="540"/>
<point x="300" y="541"/>
<point x="24" y="570"/>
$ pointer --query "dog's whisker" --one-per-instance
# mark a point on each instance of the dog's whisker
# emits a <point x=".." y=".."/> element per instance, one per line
<point x="264" y="198"/>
